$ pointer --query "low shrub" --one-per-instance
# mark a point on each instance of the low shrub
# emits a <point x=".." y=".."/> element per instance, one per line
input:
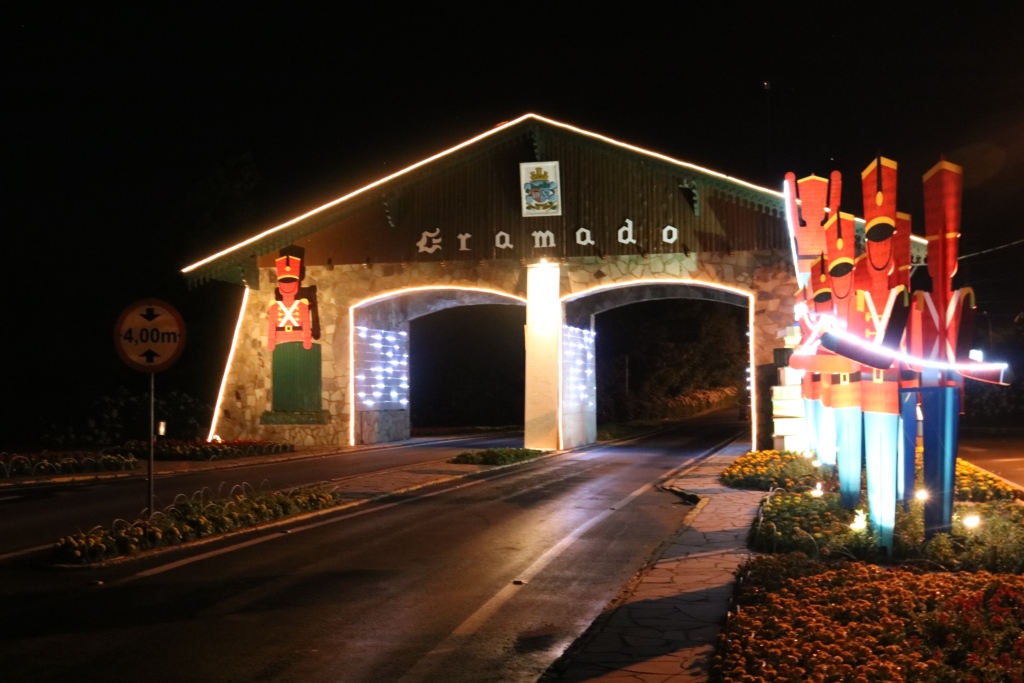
<point x="495" y="456"/>
<point x="693" y="402"/>
<point x="623" y="430"/>
<point x="128" y="456"/>
<point x="458" y="431"/>
<point x="189" y="520"/>
<point x="800" y="522"/>
<point x="801" y="620"/>
<point x="820" y="527"/>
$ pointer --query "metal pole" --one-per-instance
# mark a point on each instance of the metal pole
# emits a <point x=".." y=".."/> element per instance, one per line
<point x="629" y="408"/>
<point x="152" y="437"/>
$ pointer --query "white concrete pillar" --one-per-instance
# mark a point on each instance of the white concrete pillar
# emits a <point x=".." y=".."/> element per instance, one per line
<point x="544" y="318"/>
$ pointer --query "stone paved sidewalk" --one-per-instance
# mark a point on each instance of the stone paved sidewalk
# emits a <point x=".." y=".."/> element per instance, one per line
<point x="665" y="628"/>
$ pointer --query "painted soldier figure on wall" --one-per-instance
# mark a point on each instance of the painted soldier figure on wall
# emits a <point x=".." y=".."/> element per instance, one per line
<point x="291" y="329"/>
<point x="289" y="317"/>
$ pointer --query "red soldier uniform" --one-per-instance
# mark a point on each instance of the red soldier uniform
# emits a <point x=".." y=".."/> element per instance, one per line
<point x="289" y="319"/>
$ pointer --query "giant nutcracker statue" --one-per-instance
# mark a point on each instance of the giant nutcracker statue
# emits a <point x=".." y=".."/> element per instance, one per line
<point x="909" y="380"/>
<point x="930" y="361"/>
<point x="291" y="320"/>
<point x="879" y="318"/>
<point x="831" y="383"/>
<point x="842" y="393"/>
<point x="874" y="325"/>
<point x="809" y="203"/>
<point x="941" y="330"/>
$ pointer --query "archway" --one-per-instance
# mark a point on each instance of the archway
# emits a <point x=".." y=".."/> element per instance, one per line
<point x="379" y="358"/>
<point x="466" y="368"/>
<point x="582" y="308"/>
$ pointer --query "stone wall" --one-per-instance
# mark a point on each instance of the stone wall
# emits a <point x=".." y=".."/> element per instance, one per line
<point x="764" y="275"/>
<point x="382" y="426"/>
<point x="248" y="389"/>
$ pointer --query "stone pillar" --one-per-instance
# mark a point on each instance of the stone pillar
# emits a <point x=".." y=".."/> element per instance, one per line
<point x="544" y="316"/>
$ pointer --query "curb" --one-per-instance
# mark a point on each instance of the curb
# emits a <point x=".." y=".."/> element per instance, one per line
<point x="557" y="668"/>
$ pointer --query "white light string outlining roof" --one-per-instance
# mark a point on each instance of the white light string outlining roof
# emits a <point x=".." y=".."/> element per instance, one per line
<point x="467" y="143"/>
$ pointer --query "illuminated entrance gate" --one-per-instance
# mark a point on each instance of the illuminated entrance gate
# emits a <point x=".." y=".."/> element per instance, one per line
<point x="533" y="213"/>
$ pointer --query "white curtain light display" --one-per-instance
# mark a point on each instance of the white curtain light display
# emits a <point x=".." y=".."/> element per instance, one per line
<point x="381" y="371"/>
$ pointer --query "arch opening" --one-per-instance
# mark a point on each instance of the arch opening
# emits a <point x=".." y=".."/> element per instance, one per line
<point x="467" y="366"/>
<point x="639" y="327"/>
<point x="383" y="353"/>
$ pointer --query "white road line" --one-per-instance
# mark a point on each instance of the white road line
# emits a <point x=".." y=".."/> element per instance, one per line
<point x="26" y="551"/>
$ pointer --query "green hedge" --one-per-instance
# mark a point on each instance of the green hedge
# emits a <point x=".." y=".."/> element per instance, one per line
<point x="495" y="456"/>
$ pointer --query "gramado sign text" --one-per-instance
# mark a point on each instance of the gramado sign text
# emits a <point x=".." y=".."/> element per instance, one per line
<point x="430" y="242"/>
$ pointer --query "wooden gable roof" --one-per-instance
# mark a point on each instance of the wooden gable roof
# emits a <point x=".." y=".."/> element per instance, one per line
<point x="474" y="189"/>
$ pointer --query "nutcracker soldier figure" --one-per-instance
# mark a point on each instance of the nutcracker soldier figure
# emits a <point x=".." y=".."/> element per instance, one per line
<point x="810" y="202"/>
<point x="871" y="352"/>
<point x="291" y="323"/>
<point x="873" y="317"/>
<point x="938" y="323"/>
<point x="843" y="394"/>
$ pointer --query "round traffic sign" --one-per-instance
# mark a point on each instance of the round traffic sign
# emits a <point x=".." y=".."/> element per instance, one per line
<point x="149" y="335"/>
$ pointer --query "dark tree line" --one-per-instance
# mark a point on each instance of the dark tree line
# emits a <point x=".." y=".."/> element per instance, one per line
<point x="653" y="355"/>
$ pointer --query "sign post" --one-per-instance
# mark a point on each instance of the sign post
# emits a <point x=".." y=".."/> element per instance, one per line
<point x="149" y="336"/>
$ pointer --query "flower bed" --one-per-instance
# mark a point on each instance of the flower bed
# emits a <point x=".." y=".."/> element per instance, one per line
<point x="189" y="520"/>
<point x="977" y="485"/>
<point x="799" y="620"/>
<point x="172" y="449"/>
<point x="800" y="521"/>
<point x="765" y="470"/>
<point x="50" y="463"/>
<point x="835" y="620"/>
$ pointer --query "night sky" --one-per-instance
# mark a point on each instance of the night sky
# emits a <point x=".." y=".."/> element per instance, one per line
<point x="139" y="138"/>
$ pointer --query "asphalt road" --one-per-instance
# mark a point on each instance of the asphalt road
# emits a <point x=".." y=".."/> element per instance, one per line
<point x="999" y="454"/>
<point x="488" y="580"/>
<point x="31" y="517"/>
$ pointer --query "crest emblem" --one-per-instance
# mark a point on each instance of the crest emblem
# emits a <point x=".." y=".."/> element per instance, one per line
<point x="541" y="191"/>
